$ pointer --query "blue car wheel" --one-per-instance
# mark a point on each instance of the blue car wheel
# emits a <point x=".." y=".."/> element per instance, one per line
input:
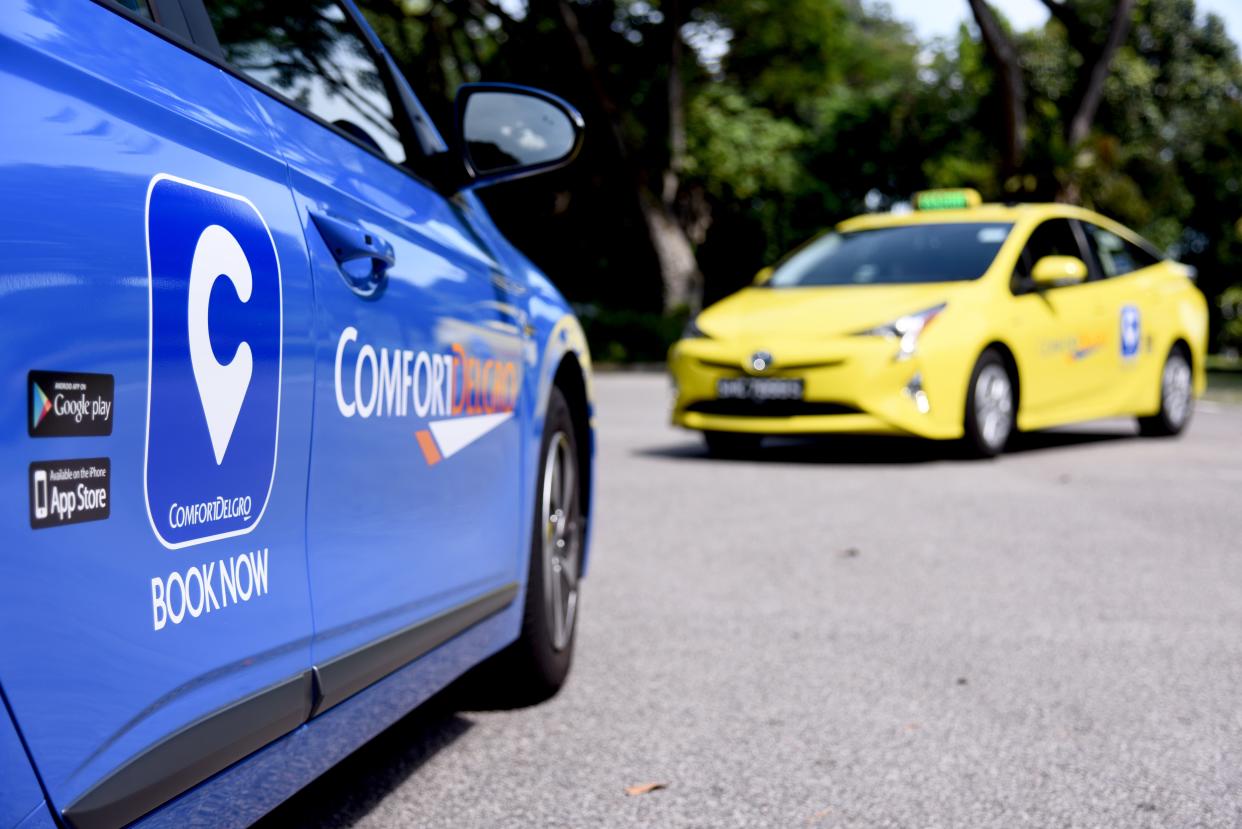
<point x="534" y="667"/>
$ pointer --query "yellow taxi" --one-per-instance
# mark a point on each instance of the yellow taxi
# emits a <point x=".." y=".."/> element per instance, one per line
<point x="957" y="320"/>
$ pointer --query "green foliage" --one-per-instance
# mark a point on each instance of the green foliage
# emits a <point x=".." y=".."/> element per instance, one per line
<point x="1230" y="303"/>
<point x="625" y="336"/>
<point x="740" y="150"/>
<point x="785" y="54"/>
<point x="805" y="112"/>
<point x="1171" y="87"/>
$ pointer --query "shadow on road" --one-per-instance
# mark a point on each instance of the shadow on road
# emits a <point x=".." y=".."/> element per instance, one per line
<point x="879" y="450"/>
<point x="349" y="791"/>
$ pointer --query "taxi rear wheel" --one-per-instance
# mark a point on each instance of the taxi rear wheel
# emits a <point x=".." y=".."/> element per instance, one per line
<point x="1176" y="397"/>
<point x="990" y="406"/>
<point x="731" y="444"/>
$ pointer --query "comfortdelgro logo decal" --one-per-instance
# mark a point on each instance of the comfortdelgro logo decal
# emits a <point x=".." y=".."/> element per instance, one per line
<point x="1131" y="332"/>
<point x="461" y="396"/>
<point x="213" y="398"/>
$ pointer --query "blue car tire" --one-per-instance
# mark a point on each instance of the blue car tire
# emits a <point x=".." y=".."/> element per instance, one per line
<point x="536" y="665"/>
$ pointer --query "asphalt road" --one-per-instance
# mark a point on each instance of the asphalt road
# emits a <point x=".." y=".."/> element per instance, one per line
<point x="867" y="633"/>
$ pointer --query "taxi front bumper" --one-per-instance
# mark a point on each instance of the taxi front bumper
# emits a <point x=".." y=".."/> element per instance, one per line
<point x="850" y="385"/>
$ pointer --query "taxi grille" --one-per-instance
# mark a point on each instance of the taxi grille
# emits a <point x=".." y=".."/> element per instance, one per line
<point x="769" y="408"/>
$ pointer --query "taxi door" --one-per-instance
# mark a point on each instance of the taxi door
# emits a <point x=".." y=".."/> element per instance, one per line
<point x="1061" y="335"/>
<point x="1133" y="278"/>
<point x="413" y="523"/>
<point x="157" y="306"/>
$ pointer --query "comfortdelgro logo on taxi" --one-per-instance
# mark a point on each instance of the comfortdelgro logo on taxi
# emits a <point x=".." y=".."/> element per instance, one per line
<point x="463" y="396"/>
<point x="209" y="248"/>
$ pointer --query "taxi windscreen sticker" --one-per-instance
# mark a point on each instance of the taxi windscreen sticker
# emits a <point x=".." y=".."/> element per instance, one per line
<point x="213" y="405"/>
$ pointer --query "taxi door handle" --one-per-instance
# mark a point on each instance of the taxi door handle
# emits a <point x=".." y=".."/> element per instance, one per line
<point x="350" y="243"/>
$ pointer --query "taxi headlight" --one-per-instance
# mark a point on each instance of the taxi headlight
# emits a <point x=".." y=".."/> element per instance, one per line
<point x="906" y="329"/>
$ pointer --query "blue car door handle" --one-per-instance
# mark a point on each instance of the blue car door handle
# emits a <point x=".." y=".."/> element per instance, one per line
<point x="351" y="243"/>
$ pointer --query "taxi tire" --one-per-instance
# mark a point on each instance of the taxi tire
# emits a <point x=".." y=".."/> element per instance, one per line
<point x="731" y="444"/>
<point x="1162" y="424"/>
<point x="974" y="440"/>
<point x="530" y="670"/>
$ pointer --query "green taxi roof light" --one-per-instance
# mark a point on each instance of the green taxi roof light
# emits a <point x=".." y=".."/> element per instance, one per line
<point x="947" y="199"/>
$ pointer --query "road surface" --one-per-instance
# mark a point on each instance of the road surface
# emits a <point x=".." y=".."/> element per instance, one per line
<point x="866" y="633"/>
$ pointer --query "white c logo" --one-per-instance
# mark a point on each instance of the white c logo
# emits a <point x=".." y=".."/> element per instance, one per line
<point x="221" y="386"/>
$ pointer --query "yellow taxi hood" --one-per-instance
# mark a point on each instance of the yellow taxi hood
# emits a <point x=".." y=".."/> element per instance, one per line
<point x="818" y="311"/>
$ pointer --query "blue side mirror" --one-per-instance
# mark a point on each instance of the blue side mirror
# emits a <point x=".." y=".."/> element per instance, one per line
<point x="506" y="132"/>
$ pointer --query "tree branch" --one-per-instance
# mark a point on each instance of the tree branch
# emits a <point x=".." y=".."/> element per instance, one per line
<point x="1065" y="14"/>
<point x="1013" y="87"/>
<point x="679" y="270"/>
<point x="1099" y="65"/>
<point x="586" y="59"/>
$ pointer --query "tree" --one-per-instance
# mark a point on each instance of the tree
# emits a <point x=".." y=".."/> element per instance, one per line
<point x="652" y="170"/>
<point x="807" y="111"/>
<point x="1080" y="21"/>
<point x="679" y="269"/>
<point x="1013" y="87"/>
<point x="723" y="132"/>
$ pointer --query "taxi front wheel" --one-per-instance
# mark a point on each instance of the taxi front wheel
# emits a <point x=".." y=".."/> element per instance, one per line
<point x="1176" y="397"/>
<point x="535" y="667"/>
<point x="990" y="406"/>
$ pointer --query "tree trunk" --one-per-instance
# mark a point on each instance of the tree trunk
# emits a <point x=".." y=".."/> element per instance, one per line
<point x="1013" y="87"/>
<point x="676" y="105"/>
<point x="679" y="270"/>
<point x="683" y="282"/>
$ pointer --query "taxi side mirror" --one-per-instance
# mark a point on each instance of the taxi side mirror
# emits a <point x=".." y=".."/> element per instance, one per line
<point x="764" y="274"/>
<point x="1051" y="271"/>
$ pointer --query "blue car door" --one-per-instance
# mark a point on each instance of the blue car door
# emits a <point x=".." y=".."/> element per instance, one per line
<point x="412" y="510"/>
<point x="158" y="363"/>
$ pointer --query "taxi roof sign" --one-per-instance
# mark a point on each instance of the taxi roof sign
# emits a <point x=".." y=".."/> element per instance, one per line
<point x="947" y="199"/>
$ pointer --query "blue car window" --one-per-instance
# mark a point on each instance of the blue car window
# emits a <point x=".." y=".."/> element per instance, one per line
<point x="312" y="54"/>
<point x="142" y="8"/>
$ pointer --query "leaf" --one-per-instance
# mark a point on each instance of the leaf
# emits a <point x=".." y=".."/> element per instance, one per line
<point x="644" y="788"/>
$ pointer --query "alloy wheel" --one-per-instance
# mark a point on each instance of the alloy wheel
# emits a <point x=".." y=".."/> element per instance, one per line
<point x="562" y="542"/>
<point x="1175" y="389"/>
<point x="994" y="405"/>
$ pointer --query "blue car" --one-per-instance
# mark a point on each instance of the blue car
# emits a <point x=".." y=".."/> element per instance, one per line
<point x="293" y="436"/>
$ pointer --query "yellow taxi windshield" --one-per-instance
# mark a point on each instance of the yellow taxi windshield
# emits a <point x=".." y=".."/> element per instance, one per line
<point x="905" y="254"/>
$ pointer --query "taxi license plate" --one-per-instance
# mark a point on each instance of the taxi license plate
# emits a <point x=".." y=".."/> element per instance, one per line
<point x="759" y="388"/>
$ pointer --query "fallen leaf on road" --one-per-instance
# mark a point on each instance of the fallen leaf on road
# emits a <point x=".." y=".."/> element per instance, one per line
<point x="644" y="788"/>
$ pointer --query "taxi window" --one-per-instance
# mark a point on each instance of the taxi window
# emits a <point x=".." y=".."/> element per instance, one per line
<point x="948" y="252"/>
<point x="1055" y="237"/>
<point x="312" y="54"/>
<point x="1115" y="255"/>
